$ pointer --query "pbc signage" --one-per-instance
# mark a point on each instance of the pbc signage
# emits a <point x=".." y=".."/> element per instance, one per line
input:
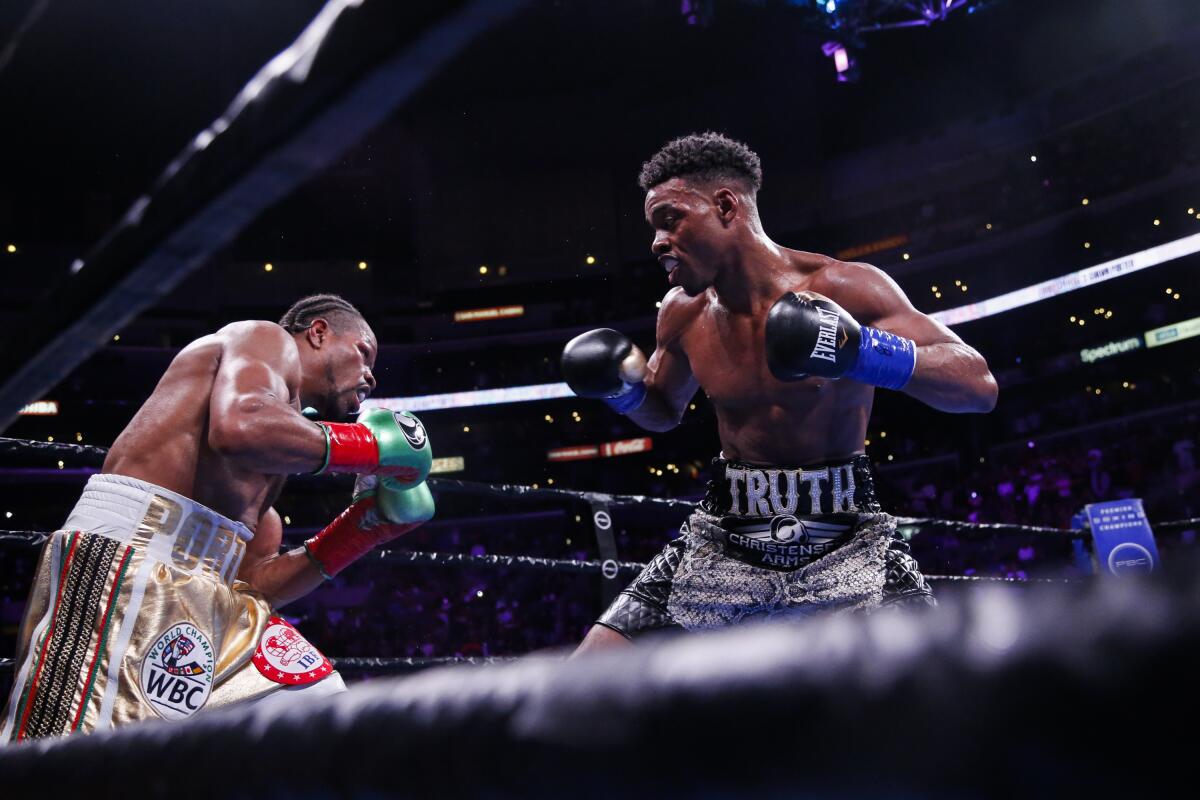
<point x="1121" y="533"/>
<point x="582" y="452"/>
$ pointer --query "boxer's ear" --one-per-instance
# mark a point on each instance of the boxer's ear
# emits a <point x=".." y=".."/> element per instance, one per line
<point x="727" y="204"/>
<point x="318" y="331"/>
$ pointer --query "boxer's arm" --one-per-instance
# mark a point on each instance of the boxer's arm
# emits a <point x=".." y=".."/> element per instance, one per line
<point x="670" y="384"/>
<point x="280" y="577"/>
<point x="252" y="420"/>
<point x="950" y="375"/>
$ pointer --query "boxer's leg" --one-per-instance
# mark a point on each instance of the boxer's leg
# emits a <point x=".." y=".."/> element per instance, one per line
<point x="904" y="585"/>
<point x="289" y="696"/>
<point x="641" y="607"/>
<point x="601" y="637"/>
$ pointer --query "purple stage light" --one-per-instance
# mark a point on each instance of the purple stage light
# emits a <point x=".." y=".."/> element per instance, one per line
<point x="841" y="60"/>
<point x="688" y="10"/>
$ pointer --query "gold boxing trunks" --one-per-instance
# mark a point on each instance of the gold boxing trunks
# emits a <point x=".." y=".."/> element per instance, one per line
<point x="135" y="614"/>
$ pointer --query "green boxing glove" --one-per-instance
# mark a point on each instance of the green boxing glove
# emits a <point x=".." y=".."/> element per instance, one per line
<point x="382" y="442"/>
<point x="382" y="510"/>
<point x="395" y="503"/>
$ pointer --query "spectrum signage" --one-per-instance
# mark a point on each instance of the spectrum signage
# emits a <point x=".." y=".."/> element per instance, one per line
<point x="582" y="452"/>
<point x="1090" y="355"/>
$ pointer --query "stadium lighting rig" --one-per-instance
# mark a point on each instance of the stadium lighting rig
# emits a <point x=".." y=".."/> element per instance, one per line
<point x="849" y="20"/>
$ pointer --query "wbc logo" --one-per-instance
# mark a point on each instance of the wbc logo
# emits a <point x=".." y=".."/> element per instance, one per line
<point x="177" y="671"/>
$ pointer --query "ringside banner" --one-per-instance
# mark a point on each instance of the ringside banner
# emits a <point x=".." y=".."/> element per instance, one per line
<point x="1124" y="542"/>
<point x="581" y="452"/>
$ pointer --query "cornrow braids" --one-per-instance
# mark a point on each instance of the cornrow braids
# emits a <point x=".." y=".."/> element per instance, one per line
<point x="305" y="310"/>
<point x="705" y="156"/>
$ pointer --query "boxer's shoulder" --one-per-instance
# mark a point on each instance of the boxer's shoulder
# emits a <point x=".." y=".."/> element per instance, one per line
<point x="856" y="286"/>
<point x="254" y="331"/>
<point x="810" y="263"/>
<point x="259" y="340"/>
<point x="825" y="272"/>
<point x="677" y="312"/>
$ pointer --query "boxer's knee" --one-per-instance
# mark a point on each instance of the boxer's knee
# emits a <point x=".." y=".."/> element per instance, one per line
<point x="904" y="585"/>
<point x="601" y="637"/>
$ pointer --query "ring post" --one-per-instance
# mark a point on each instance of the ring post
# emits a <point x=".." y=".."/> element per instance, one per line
<point x="606" y="540"/>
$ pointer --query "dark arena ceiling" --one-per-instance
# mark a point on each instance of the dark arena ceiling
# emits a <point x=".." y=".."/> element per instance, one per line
<point x="516" y="146"/>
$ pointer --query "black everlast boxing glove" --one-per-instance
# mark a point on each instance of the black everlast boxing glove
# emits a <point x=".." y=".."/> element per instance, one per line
<point x="605" y="364"/>
<point x="808" y="335"/>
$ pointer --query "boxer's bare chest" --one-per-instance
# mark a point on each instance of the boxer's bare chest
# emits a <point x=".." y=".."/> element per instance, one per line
<point x="166" y="443"/>
<point x="727" y="353"/>
<point x="760" y="418"/>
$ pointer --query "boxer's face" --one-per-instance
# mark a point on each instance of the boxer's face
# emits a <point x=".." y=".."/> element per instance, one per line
<point x="349" y="347"/>
<point x="691" y="239"/>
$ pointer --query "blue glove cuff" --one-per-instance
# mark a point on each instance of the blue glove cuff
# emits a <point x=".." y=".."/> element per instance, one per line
<point x="629" y="398"/>
<point x="884" y="359"/>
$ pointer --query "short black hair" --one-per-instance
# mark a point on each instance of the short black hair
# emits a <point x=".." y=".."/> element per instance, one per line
<point x="328" y="306"/>
<point x="705" y="156"/>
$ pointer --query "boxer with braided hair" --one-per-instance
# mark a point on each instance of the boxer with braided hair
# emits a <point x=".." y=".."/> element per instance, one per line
<point x="157" y="597"/>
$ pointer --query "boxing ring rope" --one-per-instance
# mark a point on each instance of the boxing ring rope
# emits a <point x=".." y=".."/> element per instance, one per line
<point x="92" y="456"/>
<point x="610" y="569"/>
<point x="1054" y="692"/>
<point x="533" y="563"/>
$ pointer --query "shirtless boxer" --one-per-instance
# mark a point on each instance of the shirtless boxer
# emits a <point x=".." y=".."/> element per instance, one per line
<point x="789" y="347"/>
<point x="156" y="598"/>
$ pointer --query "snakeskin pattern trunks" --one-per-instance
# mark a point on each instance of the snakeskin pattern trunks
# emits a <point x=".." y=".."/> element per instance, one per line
<point x="774" y="542"/>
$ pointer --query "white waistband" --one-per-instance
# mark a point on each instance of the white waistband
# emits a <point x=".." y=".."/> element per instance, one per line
<point x="171" y="528"/>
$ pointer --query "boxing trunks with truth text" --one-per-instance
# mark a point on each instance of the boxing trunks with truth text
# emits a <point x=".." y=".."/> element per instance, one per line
<point x="771" y="541"/>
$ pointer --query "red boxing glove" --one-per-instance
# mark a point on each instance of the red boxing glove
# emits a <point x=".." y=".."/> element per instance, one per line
<point x="350" y="448"/>
<point x="382" y="442"/>
<point x="376" y="517"/>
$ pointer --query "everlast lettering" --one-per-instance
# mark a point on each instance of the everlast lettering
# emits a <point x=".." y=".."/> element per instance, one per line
<point x="826" y="336"/>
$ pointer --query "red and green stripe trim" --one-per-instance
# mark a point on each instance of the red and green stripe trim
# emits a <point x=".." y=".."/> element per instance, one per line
<point x="31" y="693"/>
<point x="102" y="642"/>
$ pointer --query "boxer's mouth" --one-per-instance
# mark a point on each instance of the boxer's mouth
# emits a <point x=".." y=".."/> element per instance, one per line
<point x="360" y="395"/>
<point x="671" y="265"/>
